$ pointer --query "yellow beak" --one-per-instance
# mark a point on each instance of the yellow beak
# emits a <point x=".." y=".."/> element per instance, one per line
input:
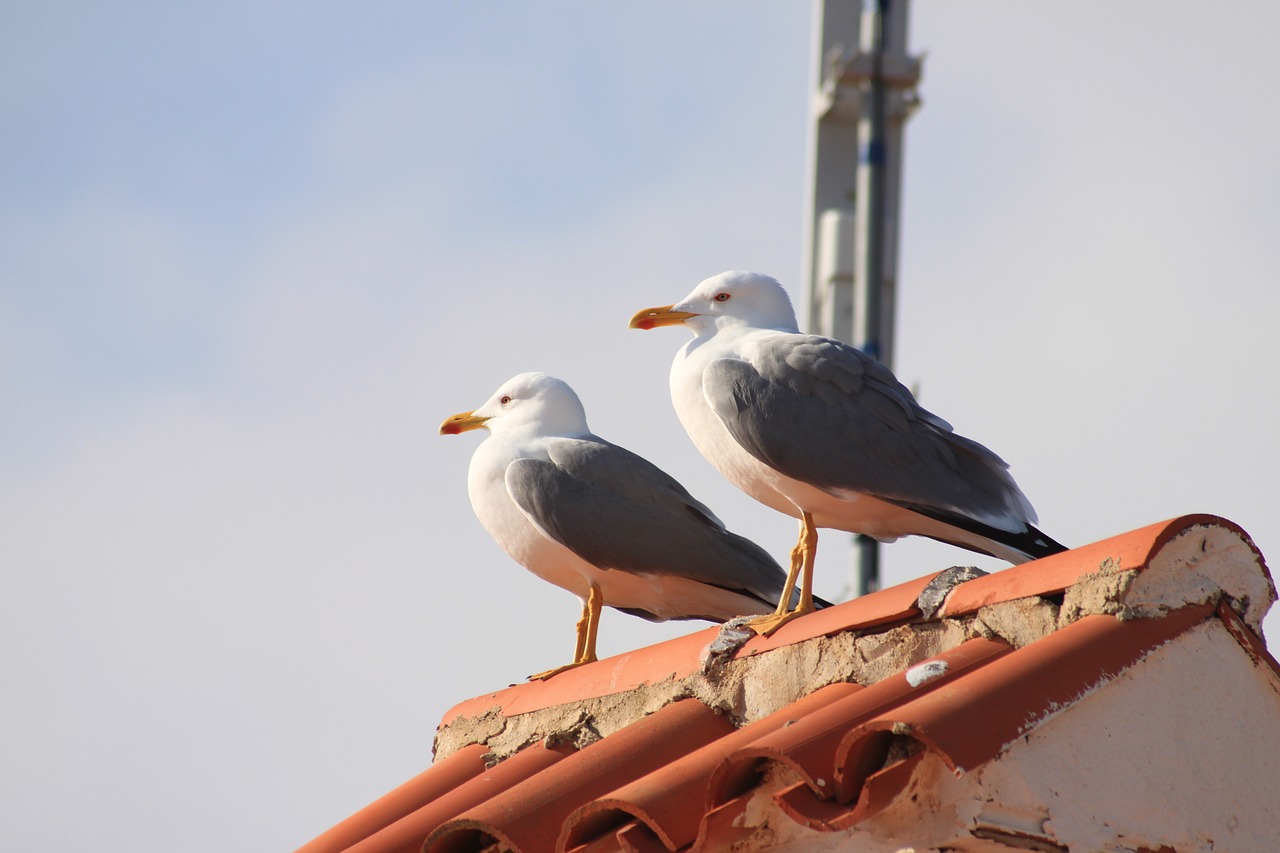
<point x="461" y="422"/>
<point x="652" y="318"/>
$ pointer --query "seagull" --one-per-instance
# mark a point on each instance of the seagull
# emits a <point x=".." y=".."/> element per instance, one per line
<point x="824" y="433"/>
<point x="600" y="521"/>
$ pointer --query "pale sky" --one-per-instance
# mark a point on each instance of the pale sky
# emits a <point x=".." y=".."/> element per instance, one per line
<point x="251" y="256"/>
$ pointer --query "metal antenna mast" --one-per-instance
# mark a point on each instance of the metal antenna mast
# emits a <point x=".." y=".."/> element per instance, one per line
<point x="866" y="90"/>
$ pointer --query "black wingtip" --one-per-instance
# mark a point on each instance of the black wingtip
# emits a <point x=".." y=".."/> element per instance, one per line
<point x="1035" y="544"/>
<point x="1031" y="543"/>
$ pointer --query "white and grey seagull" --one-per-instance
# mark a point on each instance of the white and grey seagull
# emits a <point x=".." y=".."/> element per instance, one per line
<point x="824" y="433"/>
<point x="600" y="521"/>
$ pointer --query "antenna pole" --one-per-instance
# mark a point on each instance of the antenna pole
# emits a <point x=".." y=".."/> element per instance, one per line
<point x="865" y="91"/>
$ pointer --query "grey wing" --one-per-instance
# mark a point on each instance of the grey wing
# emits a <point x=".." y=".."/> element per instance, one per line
<point x="826" y="414"/>
<point x="617" y="510"/>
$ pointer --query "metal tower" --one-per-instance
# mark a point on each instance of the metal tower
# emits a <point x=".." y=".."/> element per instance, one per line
<point x="865" y="91"/>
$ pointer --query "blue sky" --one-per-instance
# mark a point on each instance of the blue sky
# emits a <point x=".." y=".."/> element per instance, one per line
<point x="251" y="256"/>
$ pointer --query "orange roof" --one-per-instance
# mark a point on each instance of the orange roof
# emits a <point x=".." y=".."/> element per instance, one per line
<point x="664" y="781"/>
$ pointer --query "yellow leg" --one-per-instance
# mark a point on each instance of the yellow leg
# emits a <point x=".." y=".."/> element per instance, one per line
<point x="581" y="628"/>
<point x="584" y="650"/>
<point x="802" y="556"/>
<point x="809" y="536"/>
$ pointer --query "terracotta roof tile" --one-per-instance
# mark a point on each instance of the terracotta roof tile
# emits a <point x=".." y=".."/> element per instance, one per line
<point x="1053" y="574"/>
<point x="530" y="816"/>
<point x="1245" y="636"/>
<point x="431" y="784"/>
<point x="809" y="747"/>
<point x="883" y="607"/>
<point x="406" y="834"/>
<point x="661" y="799"/>
<point x="612" y="675"/>
<point x="974" y="717"/>
<point x="682" y="778"/>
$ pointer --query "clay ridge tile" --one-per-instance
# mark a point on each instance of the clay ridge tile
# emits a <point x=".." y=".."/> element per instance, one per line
<point x="882" y="607"/>
<point x="1053" y="574"/>
<point x="681" y="657"/>
<point x="615" y="674"/>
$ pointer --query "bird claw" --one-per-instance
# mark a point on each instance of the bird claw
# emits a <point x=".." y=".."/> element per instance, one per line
<point x="766" y="625"/>
<point x="543" y="676"/>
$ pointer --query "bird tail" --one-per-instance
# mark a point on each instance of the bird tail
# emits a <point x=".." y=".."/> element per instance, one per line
<point x="1030" y="544"/>
<point x="1014" y="546"/>
<point x="1036" y="544"/>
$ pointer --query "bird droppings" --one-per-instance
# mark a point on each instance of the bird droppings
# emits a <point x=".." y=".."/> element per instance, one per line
<point x="733" y="635"/>
<point x="925" y="672"/>
<point x="935" y="594"/>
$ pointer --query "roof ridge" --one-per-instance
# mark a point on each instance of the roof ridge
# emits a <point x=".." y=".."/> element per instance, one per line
<point x="836" y="713"/>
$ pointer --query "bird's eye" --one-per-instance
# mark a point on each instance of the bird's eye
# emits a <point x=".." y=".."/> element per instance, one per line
<point x="506" y="398"/>
<point x="721" y="297"/>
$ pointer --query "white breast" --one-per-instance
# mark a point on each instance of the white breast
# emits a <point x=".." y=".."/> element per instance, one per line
<point x="510" y="528"/>
<point x="710" y="436"/>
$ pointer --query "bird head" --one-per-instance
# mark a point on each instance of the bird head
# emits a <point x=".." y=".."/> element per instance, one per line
<point x="742" y="299"/>
<point x="533" y="402"/>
